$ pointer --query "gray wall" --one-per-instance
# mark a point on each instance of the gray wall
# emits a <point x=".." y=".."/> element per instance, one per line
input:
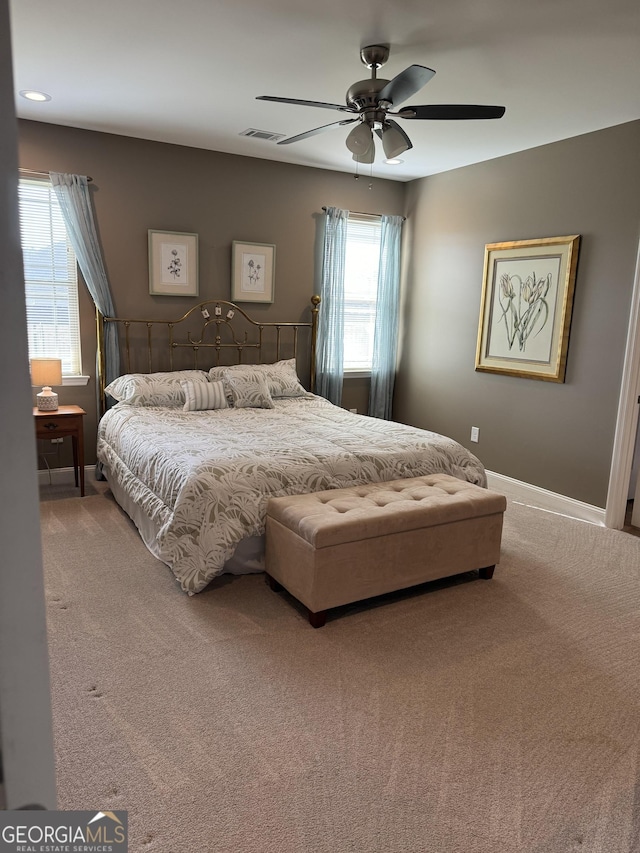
<point x="556" y="436"/>
<point x="139" y="185"/>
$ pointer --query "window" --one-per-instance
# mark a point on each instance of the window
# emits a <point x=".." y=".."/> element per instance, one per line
<point x="360" y="291"/>
<point x="50" y="273"/>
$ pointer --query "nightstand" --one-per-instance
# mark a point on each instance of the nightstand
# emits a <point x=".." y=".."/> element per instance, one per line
<point x="65" y="420"/>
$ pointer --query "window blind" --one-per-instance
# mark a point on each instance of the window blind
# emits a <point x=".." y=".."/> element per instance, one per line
<point x="360" y="291"/>
<point x="51" y="281"/>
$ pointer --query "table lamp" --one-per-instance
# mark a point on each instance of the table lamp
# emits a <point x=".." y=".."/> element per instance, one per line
<point x="46" y="372"/>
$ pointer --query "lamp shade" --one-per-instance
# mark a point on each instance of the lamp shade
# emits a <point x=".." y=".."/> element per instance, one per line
<point x="360" y="139"/>
<point x="394" y="141"/>
<point x="46" y="372"/>
<point x="367" y="156"/>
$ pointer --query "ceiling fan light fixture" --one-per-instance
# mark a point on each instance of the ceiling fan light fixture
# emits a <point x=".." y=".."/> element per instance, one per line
<point x="367" y="156"/>
<point x="360" y="139"/>
<point x="393" y="142"/>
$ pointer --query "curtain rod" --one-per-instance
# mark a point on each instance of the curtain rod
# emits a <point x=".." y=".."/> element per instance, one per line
<point x="42" y="174"/>
<point x="359" y="213"/>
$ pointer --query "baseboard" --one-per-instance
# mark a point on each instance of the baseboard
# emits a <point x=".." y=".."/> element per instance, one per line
<point x="61" y="476"/>
<point x="534" y="496"/>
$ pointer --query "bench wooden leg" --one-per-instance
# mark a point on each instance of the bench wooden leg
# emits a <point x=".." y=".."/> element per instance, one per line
<point x="318" y="619"/>
<point x="273" y="584"/>
<point x="486" y="573"/>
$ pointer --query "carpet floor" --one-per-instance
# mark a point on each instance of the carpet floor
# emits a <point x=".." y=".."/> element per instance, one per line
<point x="464" y="716"/>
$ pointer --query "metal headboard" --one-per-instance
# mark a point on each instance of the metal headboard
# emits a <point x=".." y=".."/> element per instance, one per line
<point x="224" y="327"/>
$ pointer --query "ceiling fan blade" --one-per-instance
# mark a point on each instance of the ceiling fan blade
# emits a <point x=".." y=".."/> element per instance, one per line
<point x="451" y="111"/>
<point x="406" y="84"/>
<point x="315" y="130"/>
<point x="342" y="108"/>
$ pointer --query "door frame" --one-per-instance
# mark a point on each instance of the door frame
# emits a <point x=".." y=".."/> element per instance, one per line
<point x="627" y="418"/>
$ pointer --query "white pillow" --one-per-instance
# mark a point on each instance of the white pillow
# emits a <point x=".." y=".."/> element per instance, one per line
<point x="201" y="396"/>
<point x="249" y="392"/>
<point x="281" y="376"/>
<point x="153" y="389"/>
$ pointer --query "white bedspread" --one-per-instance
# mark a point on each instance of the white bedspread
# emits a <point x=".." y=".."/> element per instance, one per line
<point x="204" y="478"/>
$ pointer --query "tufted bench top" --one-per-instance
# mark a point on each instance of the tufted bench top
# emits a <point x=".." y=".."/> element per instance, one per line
<point x="337" y="516"/>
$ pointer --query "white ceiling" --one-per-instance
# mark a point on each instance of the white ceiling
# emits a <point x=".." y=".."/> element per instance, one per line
<point x="188" y="72"/>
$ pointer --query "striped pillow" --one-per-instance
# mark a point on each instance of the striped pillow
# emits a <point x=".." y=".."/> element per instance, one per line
<point x="200" y="396"/>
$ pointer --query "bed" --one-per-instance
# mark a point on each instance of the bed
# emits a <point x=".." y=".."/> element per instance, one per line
<point x="193" y="455"/>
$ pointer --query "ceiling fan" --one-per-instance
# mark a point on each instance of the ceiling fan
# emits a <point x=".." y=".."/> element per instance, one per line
<point x="372" y="103"/>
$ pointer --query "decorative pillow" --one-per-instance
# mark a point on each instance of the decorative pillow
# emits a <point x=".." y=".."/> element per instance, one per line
<point x="250" y="393"/>
<point x="153" y="389"/>
<point x="281" y="376"/>
<point x="200" y="396"/>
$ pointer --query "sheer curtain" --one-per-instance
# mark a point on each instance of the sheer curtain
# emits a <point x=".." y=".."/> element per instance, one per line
<point x="385" y="339"/>
<point x="72" y="192"/>
<point x="330" y="351"/>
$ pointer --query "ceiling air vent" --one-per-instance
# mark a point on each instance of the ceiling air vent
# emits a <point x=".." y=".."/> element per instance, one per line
<point x="262" y="134"/>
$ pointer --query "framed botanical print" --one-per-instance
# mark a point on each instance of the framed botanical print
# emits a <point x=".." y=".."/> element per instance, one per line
<point x="252" y="272"/>
<point x="173" y="263"/>
<point x="525" y="313"/>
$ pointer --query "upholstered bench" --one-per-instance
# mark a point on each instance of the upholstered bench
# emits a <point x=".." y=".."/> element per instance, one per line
<point x="334" y="547"/>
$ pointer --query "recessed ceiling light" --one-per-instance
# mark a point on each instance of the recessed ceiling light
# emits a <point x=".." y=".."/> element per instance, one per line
<point x="393" y="161"/>
<point x="32" y="95"/>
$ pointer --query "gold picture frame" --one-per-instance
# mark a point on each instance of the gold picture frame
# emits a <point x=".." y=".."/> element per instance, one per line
<point x="173" y="263"/>
<point x="252" y="271"/>
<point x="525" y="312"/>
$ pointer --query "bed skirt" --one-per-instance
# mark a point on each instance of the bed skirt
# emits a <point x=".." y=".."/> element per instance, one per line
<point x="248" y="558"/>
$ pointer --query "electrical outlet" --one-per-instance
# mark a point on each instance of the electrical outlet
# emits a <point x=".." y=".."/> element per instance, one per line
<point x="353" y="411"/>
<point x="475" y="434"/>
